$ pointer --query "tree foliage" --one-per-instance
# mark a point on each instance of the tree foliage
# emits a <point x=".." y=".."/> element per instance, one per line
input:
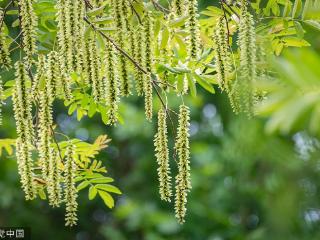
<point x="93" y="55"/>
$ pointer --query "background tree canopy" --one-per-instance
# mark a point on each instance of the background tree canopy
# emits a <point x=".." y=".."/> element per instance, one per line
<point x="89" y="87"/>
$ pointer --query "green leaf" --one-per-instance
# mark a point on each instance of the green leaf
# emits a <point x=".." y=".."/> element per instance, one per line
<point x="12" y="12"/>
<point x="107" y="29"/>
<point x="82" y="185"/>
<point x="297" y="7"/>
<point x="178" y="22"/>
<point x="107" y="199"/>
<point x="299" y="29"/>
<point x="72" y="108"/>
<point x="42" y="194"/>
<point x="92" y="192"/>
<point x="295" y="42"/>
<point x="165" y="38"/>
<point x="102" y="180"/>
<point x="313" y="23"/>
<point x="104" y="20"/>
<point x="203" y="83"/>
<point x="192" y="85"/>
<point x="97" y="11"/>
<point x="108" y="188"/>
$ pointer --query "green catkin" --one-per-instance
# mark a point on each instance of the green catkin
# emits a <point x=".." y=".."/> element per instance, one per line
<point x="28" y="24"/>
<point x="148" y="51"/>
<point x="111" y="85"/>
<point x="162" y="155"/>
<point x="94" y="76"/>
<point x="70" y="194"/>
<point x="23" y="116"/>
<point x="148" y="97"/>
<point x="64" y="34"/>
<point x="165" y="58"/>
<point x="222" y="54"/>
<point x="193" y="27"/>
<point x="139" y="57"/>
<point x="185" y="85"/>
<point x="120" y="15"/>
<point x="178" y="7"/>
<point x="40" y="66"/>
<point x="243" y="89"/>
<point x="183" y="182"/>
<point x="78" y="33"/>
<point x="66" y="84"/>
<point x="5" y="60"/>
<point x="54" y="188"/>
<point x="1" y="99"/>
<point x="44" y="128"/>
<point x="53" y="75"/>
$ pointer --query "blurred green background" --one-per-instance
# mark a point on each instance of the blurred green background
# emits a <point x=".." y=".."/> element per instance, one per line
<point x="246" y="184"/>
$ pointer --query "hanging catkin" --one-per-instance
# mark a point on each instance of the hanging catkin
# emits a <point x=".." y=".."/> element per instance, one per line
<point x="78" y="33"/>
<point x="222" y="54"/>
<point x="178" y="7"/>
<point x="1" y="99"/>
<point x="139" y="56"/>
<point x="53" y="75"/>
<point x="162" y="155"/>
<point x="120" y="14"/>
<point x="54" y="188"/>
<point x="183" y="182"/>
<point x="44" y="128"/>
<point x="94" y="76"/>
<point x="64" y="34"/>
<point x="23" y="117"/>
<point x="28" y="24"/>
<point x="5" y="59"/>
<point x="148" y="50"/>
<point x="111" y="84"/>
<point x="247" y="69"/>
<point x="70" y="191"/>
<point x="40" y="66"/>
<point x="193" y="27"/>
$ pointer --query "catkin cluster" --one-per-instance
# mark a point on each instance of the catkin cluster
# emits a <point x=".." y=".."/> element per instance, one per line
<point x="53" y="179"/>
<point x="247" y="69"/>
<point x="70" y="15"/>
<point x="148" y="51"/>
<point x="183" y="182"/>
<point x="94" y="65"/>
<point x="162" y="155"/>
<point x="23" y="117"/>
<point x="28" y="24"/>
<point x="39" y="75"/>
<point x="194" y="30"/>
<point x="53" y="75"/>
<point x="120" y="14"/>
<point x="46" y="98"/>
<point x="178" y="7"/>
<point x="222" y="54"/>
<point x="1" y="97"/>
<point x="139" y="56"/>
<point x="111" y="84"/>
<point x="5" y="59"/>
<point x="70" y="191"/>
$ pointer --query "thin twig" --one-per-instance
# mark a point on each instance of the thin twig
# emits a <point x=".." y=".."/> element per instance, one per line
<point x="230" y="8"/>
<point x="227" y="23"/>
<point x="160" y="7"/>
<point x="136" y="13"/>
<point x="4" y="12"/>
<point x="56" y="142"/>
